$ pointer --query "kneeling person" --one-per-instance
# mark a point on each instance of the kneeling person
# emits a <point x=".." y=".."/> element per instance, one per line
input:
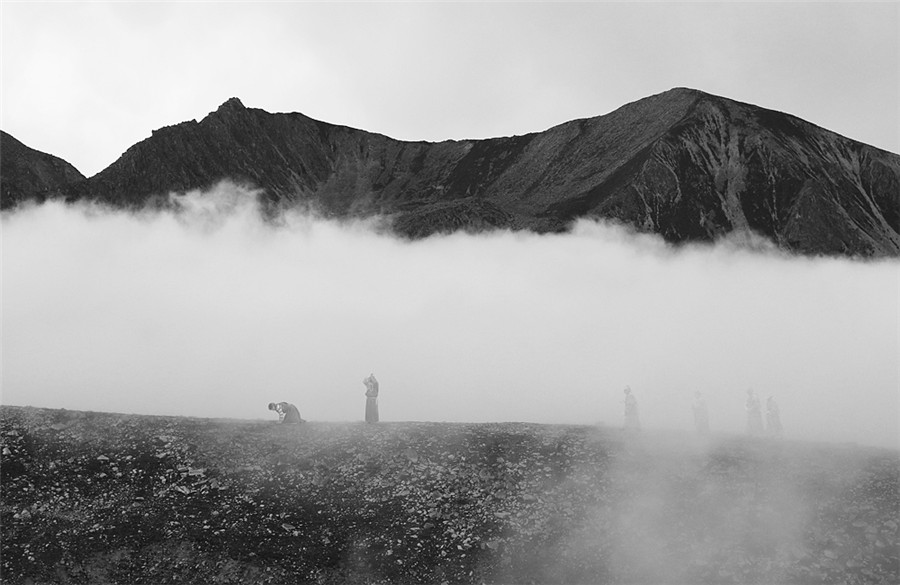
<point x="287" y="412"/>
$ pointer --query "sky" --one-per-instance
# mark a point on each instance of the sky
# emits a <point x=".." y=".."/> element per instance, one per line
<point x="213" y="313"/>
<point x="86" y="80"/>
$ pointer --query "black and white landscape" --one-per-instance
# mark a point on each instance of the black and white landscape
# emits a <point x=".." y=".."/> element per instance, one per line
<point x="201" y="301"/>
<point x="688" y="166"/>
<point x="193" y="234"/>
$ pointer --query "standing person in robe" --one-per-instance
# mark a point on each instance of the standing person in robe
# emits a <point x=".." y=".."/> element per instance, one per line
<point x="287" y="412"/>
<point x="754" y="415"/>
<point x="773" y="418"/>
<point x="701" y="414"/>
<point x="632" y="422"/>
<point x="371" y="398"/>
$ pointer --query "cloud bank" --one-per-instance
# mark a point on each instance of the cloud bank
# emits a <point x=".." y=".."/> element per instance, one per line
<point x="215" y="312"/>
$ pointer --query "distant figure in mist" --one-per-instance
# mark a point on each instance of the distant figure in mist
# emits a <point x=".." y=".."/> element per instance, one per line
<point x="754" y="415"/>
<point x="773" y="418"/>
<point x="701" y="414"/>
<point x="632" y="422"/>
<point x="287" y="412"/>
<point x="371" y="398"/>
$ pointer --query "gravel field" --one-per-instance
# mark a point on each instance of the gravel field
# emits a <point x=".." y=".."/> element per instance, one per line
<point x="89" y="497"/>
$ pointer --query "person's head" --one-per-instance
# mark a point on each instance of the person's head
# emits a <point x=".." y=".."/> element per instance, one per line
<point x="271" y="406"/>
<point x="627" y="390"/>
<point x="749" y="391"/>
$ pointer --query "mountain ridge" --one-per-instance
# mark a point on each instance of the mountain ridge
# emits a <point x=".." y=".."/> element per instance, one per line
<point x="27" y="173"/>
<point x="684" y="164"/>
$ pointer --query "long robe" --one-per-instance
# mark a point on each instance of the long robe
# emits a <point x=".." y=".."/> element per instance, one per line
<point x="371" y="399"/>
<point x="631" y="413"/>
<point x="288" y="413"/>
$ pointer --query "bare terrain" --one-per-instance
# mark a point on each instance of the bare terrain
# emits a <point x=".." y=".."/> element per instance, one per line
<point x="91" y="497"/>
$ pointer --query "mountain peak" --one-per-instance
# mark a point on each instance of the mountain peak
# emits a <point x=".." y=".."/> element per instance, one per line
<point x="681" y="93"/>
<point x="231" y="104"/>
<point x="686" y="90"/>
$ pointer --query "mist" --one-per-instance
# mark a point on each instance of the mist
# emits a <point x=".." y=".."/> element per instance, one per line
<point x="214" y="312"/>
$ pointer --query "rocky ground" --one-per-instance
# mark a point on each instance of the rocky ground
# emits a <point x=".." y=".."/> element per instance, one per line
<point x="108" y="498"/>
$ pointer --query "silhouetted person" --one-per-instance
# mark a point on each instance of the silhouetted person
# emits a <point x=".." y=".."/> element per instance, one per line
<point x="701" y="414"/>
<point x="371" y="398"/>
<point x="287" y="412"/>
<point x="632" y="422"/>
<point x="754" y="414"/>
<point x="773" y="418"/>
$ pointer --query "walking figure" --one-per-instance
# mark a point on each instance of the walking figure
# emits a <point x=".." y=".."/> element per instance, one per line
<point x="632" y="422"/>
<point x="371" y="398"/>
<point x="754" y="415"/>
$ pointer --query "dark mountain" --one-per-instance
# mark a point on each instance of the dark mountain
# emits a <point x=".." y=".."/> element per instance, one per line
<point x="26" y="173"/>
<point x="684" y="164"/>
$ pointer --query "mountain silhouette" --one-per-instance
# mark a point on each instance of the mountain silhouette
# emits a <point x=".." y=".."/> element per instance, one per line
<point x="683" y="164"/>
<point x="27" y="174"/>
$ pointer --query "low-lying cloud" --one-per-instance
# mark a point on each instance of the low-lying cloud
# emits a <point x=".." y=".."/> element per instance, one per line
<point x="215" y="312"/>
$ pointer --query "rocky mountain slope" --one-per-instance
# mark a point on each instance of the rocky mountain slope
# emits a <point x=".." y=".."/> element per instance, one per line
<point x="683" y="164"/>
<point x="26" y="173"/>
<point x="90" y="497"/>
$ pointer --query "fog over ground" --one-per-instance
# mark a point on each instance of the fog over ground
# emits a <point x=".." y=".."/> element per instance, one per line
<point x="214" y="312"/>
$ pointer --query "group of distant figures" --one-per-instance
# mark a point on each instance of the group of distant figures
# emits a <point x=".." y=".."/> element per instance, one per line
<point x="701" y="415"/>
<point x="288" y="413"/>
<point x="754" y="416"/>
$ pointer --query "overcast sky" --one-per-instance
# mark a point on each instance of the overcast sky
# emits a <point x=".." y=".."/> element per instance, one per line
<point x="85" y="81"/>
